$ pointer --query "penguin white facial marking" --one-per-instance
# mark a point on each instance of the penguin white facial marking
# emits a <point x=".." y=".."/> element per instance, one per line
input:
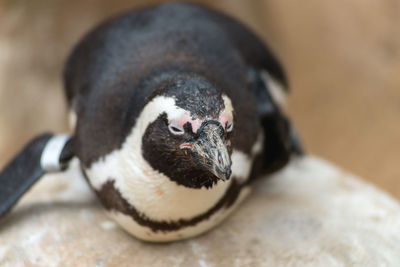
<point x="228" y="106"/>
<point x="226" y="117"/>
<point x="158" y="106"/>
<point x="242" y="163"/>
<point x="275" y="88"/>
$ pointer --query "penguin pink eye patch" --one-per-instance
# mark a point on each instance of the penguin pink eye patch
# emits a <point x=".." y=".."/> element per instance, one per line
<point x="176" y="126"/>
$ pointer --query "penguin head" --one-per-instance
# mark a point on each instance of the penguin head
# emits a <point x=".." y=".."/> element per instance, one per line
<point x="190" y="138"/>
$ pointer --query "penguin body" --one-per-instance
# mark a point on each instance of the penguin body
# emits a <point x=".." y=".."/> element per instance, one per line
<point x="173" y="117"/>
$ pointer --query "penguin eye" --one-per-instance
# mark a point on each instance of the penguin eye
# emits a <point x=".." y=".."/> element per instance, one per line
<point x="175" y="129"/>
<point x="229" y="126"/>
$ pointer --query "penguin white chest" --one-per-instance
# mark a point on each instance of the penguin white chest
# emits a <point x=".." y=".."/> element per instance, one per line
<point x="150" y="206"/>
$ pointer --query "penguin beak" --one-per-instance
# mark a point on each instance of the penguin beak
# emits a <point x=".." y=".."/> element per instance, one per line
<point x="210" y="150"/>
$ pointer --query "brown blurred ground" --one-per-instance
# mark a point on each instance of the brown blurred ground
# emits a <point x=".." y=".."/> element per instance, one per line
<point x="342" y="58"/>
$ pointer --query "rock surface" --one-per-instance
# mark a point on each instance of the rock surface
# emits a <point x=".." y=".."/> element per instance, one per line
<point x="311" y="213"/>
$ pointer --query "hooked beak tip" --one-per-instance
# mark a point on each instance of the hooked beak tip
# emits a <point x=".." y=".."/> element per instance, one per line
<point x="223" y="175"/>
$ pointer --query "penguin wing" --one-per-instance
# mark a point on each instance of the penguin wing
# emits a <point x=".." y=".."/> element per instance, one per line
<point x="280" y="138"/>
<point x="44" y="153"/>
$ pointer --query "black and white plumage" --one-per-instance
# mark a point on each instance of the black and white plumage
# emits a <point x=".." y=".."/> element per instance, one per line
<point x="174" y="112"/>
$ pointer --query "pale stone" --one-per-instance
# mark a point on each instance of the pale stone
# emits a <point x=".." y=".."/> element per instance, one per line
<point x="311" y="213"/>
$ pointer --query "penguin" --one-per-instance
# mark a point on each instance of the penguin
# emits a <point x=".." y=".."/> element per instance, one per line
<point x="175" y="109"/>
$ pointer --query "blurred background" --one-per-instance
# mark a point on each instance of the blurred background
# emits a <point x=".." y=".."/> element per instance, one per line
<point x="342" y="58"/>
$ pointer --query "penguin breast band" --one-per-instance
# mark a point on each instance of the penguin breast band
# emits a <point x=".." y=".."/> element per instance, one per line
<point x="174" y="111"/>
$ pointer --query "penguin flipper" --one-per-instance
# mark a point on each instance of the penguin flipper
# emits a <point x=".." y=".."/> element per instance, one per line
<point x="280" y="138"/>
<point x="44" y="153"/>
